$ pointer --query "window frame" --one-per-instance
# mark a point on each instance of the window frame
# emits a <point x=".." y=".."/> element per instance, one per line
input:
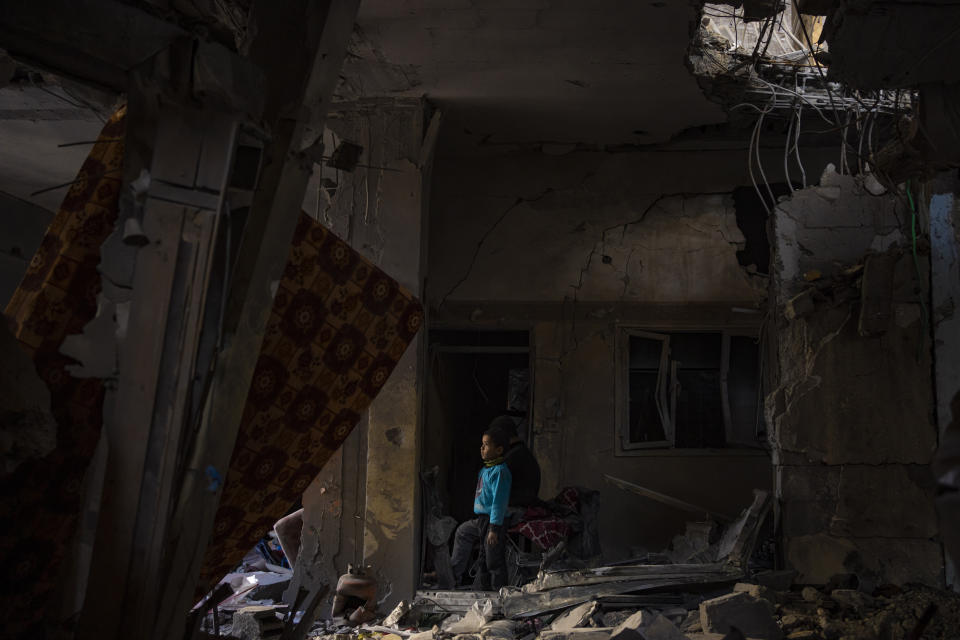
<point x="667" y="373"/>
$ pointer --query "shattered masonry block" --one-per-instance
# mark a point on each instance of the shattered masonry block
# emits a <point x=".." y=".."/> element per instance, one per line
<point x="751" y="616"/>
<point x="576" y="617"/>
<point x="645" y="625"/>
<point x="757" y="591"/>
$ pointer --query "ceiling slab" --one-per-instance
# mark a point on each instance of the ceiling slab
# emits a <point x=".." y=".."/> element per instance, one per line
<point x="527" y="71"/>
<point x="34" y="122"/>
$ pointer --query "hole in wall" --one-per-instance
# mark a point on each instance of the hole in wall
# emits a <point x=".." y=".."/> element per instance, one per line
<point x="752" y="221"/>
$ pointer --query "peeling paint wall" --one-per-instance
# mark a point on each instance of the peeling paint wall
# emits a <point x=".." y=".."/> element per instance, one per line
<point x="361" y="509"/>
<point x="852" y="417"/>
<point x="573" y="247"/>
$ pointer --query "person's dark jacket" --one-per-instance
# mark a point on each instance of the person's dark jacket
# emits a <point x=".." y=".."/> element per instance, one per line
<point x="525" y="473"/>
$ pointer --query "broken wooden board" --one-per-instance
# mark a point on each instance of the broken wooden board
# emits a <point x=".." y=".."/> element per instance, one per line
<point x="519" y="604"/>
<point x="664" y="498"/>
<point x="453" y="601"/>
<point x="600" y="575"/>
<point x="736" y="545"/>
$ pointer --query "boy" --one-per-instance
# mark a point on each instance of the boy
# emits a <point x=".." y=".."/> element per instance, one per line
<point x="490" y="505"/>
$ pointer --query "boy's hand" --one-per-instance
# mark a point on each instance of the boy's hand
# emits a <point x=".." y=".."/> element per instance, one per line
<point x="491" y="538"/>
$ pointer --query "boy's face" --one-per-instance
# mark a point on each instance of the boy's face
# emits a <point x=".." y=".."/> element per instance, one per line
<point x="490" y="450"/>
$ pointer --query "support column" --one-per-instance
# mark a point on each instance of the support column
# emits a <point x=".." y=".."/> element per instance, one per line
<point x="852" y="430"/>
<point x="380" y="210"/>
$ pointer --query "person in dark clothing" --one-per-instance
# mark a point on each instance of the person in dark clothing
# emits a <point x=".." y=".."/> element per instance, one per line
<point x="490" y="506"/>
<point x="523" y="466"/>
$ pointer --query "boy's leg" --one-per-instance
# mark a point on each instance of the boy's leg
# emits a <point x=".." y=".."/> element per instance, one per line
<point x="464" y="540"/>
<point x="495" y="559"/>
<point x="482" y="581"/>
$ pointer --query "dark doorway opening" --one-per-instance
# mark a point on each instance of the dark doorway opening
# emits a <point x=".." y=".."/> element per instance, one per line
<point x="474" y="377"/>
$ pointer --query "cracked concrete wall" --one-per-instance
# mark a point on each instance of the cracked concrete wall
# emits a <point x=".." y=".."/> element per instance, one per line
<point x="362" y="507"/>
<point x="852" y="416"/>
<point x="572" y="247"/>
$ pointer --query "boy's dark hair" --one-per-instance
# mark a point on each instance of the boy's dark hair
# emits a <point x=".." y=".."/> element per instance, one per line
<point x="499" y="436"/>
<point x="506" y="424"/>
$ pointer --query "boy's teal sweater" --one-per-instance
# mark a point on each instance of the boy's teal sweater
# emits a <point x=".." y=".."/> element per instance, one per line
<point x="493" y="492"/>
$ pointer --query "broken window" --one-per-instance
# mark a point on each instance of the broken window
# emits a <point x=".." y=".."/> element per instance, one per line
<point x="688" y="390"/>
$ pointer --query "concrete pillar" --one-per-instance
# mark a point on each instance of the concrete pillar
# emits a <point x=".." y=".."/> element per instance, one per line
<point x="380" y="210"/>
<point x="852" y="428"/>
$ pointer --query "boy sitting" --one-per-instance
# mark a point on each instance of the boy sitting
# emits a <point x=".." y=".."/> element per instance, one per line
<point x="490" y="505"/>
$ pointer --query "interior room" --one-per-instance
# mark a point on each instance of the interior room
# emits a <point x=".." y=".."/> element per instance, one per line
<point x="445" y="320"/>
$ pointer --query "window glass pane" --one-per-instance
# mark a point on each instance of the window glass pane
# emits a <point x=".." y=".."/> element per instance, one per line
<point x="699" y="412"/>
<point x="645" y="353"/>
<point x="645" y="425"/>
<point x="696" y="350"/>
<point x="743" y="385"/>
<point x="699" y="416"/>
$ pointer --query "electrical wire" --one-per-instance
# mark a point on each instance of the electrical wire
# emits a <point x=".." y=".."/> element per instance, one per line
<point x="786" y="154"/>
<point x="796" y="146"/>
<point x="759" y="128"/>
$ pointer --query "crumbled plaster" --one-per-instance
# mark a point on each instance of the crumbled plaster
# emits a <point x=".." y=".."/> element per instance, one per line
<point x="670" y="248"/>
<point x="840" y="219"/>
<point x="852" y="427"/>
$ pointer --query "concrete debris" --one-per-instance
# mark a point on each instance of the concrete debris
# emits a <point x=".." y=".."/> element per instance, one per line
<point x="254" y="623"/>
<point x="740" y="611"/>
<point x="578" y="616"/>
<point x="646" y="625"/>
<point x="472" y="621"/>
<point x="401" y="610"/>
<point x="752" y="609"/>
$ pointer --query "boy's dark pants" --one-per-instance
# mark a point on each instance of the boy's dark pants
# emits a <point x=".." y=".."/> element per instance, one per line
<point x="493" y="569"/>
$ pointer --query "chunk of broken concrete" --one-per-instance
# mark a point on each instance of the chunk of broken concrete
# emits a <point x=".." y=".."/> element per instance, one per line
<point x="256" y="622"/>
<point x="576" y="617"/>
<point x="393" y="620"/>
<point x="757" y="591"/>
<point x="645" y="625"/>
<point x="751" y="616"/>
<point x="472" y="621"/>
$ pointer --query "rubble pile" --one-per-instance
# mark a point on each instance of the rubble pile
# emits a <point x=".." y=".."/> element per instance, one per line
<point x="886" y="614"/>
<point x="716" y="597"/>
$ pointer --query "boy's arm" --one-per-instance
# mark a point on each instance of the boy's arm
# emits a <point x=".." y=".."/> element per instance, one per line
<point x="501" y="495"/>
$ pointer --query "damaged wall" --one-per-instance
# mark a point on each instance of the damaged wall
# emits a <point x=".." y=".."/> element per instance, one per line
<point x="361" y="508"/>
<point x="572" y="246"/>
<point x="853" y="428"/>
